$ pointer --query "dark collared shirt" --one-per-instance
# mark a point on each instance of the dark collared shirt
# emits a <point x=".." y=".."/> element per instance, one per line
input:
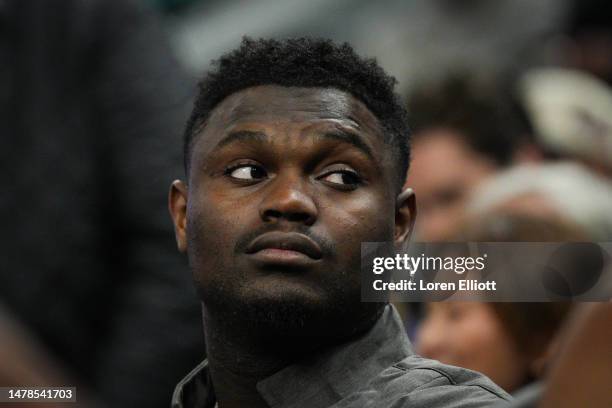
<point x="379" y="369"/>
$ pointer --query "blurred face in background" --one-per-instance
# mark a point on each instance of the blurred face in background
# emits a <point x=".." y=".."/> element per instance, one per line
<point x="470" y="335"/>
<point x="443" y="173"/>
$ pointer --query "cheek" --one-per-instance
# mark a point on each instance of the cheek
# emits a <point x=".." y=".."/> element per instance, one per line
<point x="481" y="340"/>
<point x="491" y="351"/>
<point x="357" y="219"/>
<point x="433" y="337"/>
<point x="213" y="224"/>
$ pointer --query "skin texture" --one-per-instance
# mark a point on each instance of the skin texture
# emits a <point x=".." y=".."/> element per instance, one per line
<point x="469" y="334"/>
<point x="443" y="172"/>
<point x="304" y="161"/>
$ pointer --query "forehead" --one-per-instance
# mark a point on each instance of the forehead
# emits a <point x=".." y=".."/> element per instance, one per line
<point x="278" y="106"/>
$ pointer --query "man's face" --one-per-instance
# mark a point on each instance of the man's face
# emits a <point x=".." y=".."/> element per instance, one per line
<point x="443" y="173"/>
<point x="284" y="185"/>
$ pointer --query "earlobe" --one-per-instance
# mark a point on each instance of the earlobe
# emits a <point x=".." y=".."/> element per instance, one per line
<point x="405" y="215"/>
<point x="177" y="205"/>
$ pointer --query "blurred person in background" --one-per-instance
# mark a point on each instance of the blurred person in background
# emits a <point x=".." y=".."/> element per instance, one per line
<point x="91" y="102"/>
<point x="588" y="42"/>
<point x="509" y="342"/>
<point x="24" y="361"/>
<point x="581" y="373"/>
<point x="571" y="112"/>
<point x="27" y="363"/>
<point x="465" y="131"/>
<point x="563" y="190"/>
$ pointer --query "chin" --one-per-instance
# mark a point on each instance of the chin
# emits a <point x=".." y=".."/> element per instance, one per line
<point x="306" y="312"/>
<point x="273" y="309"/>
<point x="293" y="306"/>
<point x="285" y="306"/>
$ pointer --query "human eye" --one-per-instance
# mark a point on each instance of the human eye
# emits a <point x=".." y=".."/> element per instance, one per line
<point x="342" y="178"/>
<point x="246" y="172"/>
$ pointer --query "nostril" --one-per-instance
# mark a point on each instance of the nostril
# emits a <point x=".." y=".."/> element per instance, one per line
<point x="298" y="217"/>
<point x="268" y="215"/>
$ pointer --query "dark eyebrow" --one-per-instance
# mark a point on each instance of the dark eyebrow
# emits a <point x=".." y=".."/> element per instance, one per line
<point x="338" y="134"/>
<point x="346" y="136"/>
<point x="242" y="136"/>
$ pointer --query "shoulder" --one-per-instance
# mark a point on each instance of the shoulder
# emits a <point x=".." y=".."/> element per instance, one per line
<point x="416" y="381"/>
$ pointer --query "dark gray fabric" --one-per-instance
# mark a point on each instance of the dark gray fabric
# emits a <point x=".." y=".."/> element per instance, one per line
<point x="377" y="370"/>
<point x="527" y="397"/>
<point x="91" y="112"/>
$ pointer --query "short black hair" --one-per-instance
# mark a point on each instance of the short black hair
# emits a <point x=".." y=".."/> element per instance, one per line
<point x="304" y="62"/>
<point x="484" y="112"/>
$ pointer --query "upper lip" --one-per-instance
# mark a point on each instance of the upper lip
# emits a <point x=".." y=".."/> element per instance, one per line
<point x="286" y="240"/>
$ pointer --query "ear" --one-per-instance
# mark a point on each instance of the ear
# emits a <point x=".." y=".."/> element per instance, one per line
<point x="177" y="204"/>
<point x="405" y="215"/>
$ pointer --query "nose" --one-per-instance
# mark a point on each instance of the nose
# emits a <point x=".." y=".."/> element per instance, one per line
<point x="288" y="198"/>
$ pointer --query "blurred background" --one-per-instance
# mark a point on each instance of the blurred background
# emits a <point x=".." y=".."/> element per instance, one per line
<point x="511" y="109"/>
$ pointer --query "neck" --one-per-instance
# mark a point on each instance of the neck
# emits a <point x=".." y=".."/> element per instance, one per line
<point x="239" y="359"/>
<point x="239" y="356"/>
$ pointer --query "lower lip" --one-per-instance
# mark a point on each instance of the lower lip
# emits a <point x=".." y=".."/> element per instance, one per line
<point x="282" y="257"/>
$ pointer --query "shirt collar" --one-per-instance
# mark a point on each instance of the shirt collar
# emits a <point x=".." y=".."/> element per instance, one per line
<point x="333" y="374"/>
<point x="326" y="377"/>
<point x="195" y="390"/>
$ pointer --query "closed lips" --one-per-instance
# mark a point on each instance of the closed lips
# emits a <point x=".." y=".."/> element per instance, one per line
<point x="288" y="241"/>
